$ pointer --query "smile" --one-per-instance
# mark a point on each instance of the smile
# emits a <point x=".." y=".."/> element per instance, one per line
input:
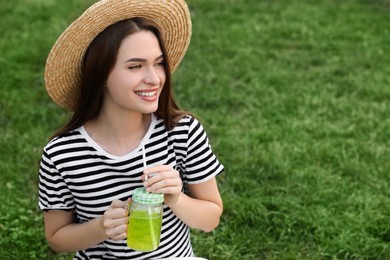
<point x="146" y="94"/>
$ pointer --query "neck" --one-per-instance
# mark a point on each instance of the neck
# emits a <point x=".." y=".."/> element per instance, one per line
<point x="118" y="134"/>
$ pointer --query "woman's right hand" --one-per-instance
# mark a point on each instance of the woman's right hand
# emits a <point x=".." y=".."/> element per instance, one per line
<point x="115" y="219"/>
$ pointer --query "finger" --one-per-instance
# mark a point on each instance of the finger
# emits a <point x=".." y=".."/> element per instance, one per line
<point x="146" y="177"/>
<point x="167" y="190"/>
<point x="162" y="175"/>
<point x="119" y="237"/>
<point x="166" y="182"/>
<point x="114" y="222"/>
<point x="166" y="186"/>
<point x="157" y="168"/>
<point x="119" y="232"/>
<point x="118" y="204"/>
<point x="115" y="213"/>
<point x="117" y="209"/>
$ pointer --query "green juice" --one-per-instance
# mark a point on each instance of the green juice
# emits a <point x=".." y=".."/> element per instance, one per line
<point x="143" y="232"/>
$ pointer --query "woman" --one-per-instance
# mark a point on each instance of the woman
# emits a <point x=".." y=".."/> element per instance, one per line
<point x="112" y="67"/>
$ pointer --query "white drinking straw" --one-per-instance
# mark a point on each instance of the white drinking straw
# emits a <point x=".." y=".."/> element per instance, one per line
<point x="144" y="160"/>
<point x="144" y="156"/>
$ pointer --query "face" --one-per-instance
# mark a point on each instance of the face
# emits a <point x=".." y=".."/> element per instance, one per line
<point x="138" y="76"/>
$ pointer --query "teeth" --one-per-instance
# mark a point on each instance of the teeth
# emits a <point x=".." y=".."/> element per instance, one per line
<point x="146" y="94"/>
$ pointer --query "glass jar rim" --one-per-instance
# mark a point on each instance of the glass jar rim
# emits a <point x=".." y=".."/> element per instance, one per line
<point x="140" y="195"/>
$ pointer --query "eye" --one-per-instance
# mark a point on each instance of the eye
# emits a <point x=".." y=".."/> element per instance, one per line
<point x="134" y="67"/>
<point x="160" y="64"/>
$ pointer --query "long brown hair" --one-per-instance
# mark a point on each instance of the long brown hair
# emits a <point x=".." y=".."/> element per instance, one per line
<point x="100" y="59"/>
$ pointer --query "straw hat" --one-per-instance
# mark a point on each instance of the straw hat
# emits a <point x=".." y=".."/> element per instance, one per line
<point x="63" y="65"/>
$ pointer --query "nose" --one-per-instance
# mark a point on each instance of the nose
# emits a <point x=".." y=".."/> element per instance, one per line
<point x="151" y="77"/>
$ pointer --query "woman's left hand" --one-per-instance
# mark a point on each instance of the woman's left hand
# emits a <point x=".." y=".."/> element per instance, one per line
<point x="163" y="179"/>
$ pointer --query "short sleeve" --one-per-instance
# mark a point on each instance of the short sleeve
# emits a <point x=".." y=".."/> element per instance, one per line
<point x="53" y="191"/>
<point x="201" y="163"/>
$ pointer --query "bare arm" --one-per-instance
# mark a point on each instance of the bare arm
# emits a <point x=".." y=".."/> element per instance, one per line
<point x="200" y="209"/>
<point x="65" y="236"/>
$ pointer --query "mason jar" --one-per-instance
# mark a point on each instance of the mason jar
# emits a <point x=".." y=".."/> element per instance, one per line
<point x="145" y="218"/>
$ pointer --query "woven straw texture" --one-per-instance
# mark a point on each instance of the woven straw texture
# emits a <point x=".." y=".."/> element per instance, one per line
<point x="141" y="196"/>
<point x="63" y="65"/>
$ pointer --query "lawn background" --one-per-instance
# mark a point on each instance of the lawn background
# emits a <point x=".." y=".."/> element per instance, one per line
<point x="295" y="98"/>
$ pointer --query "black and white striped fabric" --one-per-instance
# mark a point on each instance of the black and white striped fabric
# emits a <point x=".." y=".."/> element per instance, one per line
<point x="76" y="174"/>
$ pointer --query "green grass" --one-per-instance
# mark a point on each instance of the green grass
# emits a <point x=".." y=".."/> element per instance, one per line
<point x="294" y="95"/>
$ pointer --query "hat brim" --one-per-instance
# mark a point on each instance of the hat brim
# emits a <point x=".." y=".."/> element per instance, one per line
<point x="63" y="65"/>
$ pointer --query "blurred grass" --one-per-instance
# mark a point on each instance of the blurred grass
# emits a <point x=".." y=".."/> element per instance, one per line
<point x="294" y="95"/>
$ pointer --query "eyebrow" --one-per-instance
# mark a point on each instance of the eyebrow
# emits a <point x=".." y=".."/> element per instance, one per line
<point x="143" y="60"/>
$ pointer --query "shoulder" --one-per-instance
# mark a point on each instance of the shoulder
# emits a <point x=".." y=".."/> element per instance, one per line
<point x="188" y="121"/>
<point x="191" y="129"/>
<point x="70" y="139"/>
<point x="187" y="124"/>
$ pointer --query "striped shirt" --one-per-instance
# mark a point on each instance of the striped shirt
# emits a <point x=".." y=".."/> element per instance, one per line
<point x="76" y="174"/>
